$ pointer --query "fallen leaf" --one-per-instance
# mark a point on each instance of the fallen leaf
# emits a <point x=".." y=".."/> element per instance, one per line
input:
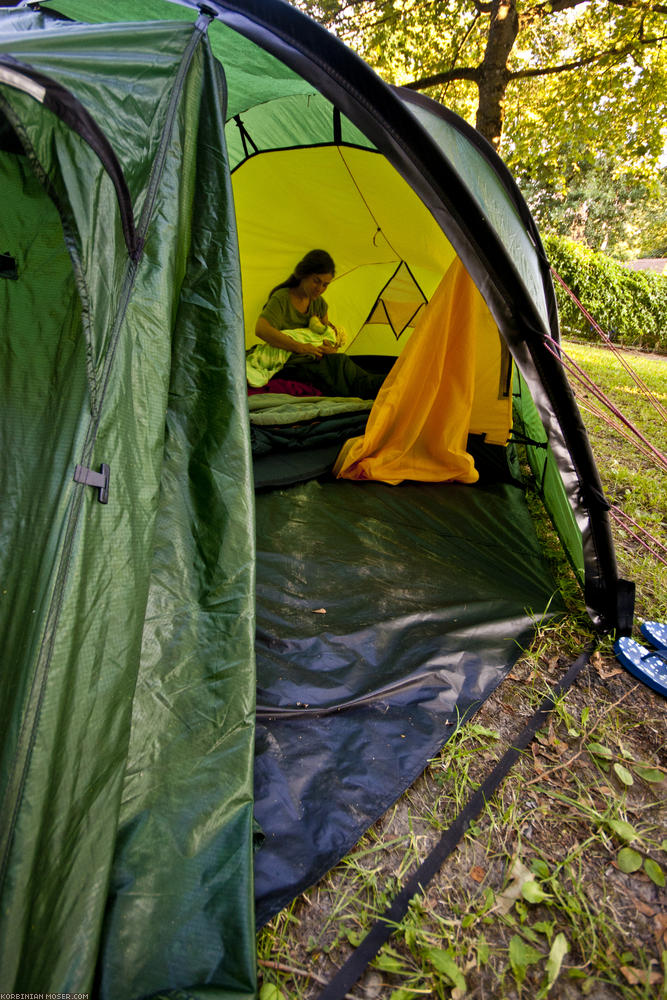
<point x="603" y="670"/>
<point x="319" y="611"/>
<point x="643" y="976"/>
<point x="660" y="921"/>
<point x="643" y="907"/>
<point x="519" y="875"/>
<point x="477" y="873"/>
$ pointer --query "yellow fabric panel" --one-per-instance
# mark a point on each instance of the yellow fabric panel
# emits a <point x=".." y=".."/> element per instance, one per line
<point x="350" y="202"/>
<point x="418" y="427"/>
<point x="491" y="412"/>
<point x="376" y="339"/>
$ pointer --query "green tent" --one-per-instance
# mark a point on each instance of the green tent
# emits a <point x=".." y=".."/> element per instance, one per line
<point x="162" y="167"/>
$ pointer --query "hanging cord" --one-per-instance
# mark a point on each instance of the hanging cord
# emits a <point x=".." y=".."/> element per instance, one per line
<point x="635" y="376"/>
<point x="643" y="445"/>
<point x="368" y="208"/>
<point x="598" y="412"/>
<point x="624" y="521"/>
<point x="574" y="369"/>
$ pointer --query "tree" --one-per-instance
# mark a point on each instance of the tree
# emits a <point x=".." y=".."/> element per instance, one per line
<point x="570" y="92"/>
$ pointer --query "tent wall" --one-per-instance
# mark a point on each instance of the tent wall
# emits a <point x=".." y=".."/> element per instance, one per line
<point x="44" y="400"/>
<point x="372" y="223"/>
<point x="137" y="680"/>
<point x="355" y="205"/>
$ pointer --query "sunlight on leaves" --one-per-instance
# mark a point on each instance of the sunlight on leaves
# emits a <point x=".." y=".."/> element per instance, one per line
<point x="559" y="950"/>
<point x="271" y="992"/>
<point x="654" y="872"/>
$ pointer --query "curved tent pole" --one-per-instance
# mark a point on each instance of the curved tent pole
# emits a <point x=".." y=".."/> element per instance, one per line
<point x="374" y="107"/>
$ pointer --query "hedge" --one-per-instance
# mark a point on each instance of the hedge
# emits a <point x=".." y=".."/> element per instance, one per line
<point x="630" y="306"/>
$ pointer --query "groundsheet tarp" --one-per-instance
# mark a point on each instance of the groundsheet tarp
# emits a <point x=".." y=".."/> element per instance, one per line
<point x="385" y="615"/>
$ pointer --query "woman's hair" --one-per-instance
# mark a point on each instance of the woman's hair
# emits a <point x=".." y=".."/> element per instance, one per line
<point x="315" y="262"/>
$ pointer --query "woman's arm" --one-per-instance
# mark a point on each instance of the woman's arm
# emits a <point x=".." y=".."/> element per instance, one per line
<point x="277" y="338"/>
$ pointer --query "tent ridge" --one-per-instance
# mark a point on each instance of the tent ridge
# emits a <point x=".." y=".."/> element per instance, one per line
<point x="198" y="33"/>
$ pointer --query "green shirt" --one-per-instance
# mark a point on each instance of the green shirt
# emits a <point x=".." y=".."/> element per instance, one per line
<point x="282" y="314"/>
<point x="263" y="361"/>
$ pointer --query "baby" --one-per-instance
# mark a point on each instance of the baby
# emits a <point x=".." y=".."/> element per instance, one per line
<point x="330" y="333"/>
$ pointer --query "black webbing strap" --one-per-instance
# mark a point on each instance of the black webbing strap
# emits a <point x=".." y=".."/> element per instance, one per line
<point x="382" y="930"/>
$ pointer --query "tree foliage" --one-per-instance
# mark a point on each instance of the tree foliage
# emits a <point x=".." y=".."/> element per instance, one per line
<point x="571" y="93"/>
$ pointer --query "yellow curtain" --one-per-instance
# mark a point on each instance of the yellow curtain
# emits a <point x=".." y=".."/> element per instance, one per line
<point x="418" y="427"/>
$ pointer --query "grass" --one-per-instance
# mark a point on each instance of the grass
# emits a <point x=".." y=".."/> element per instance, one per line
<point x="557" y="889"/>
<point x="629" y="478"/>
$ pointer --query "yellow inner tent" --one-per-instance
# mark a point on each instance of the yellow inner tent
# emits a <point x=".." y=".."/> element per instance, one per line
<point x="398" y="281"/>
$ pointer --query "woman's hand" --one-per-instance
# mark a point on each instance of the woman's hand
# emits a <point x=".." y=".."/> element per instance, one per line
<point x="316" y="350"/>
<point x="328" y="347"/>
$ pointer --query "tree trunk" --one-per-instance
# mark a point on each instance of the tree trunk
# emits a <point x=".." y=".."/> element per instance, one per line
<point x="494" y="72"/>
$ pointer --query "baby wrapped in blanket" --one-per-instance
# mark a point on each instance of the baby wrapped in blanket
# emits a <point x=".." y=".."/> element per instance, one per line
<point x="264" y="361"/>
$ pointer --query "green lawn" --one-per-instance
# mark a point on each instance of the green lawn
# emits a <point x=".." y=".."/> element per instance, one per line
<point x="632" y="480"/>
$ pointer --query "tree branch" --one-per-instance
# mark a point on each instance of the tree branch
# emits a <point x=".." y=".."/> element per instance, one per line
<point x="447" y="76"/>
<point x="472" y="73"/>
<point x="523" y="74"/>
<point x="466" y="35"/>
<point x="656" y="8"/>
<point x="556" y="6"/>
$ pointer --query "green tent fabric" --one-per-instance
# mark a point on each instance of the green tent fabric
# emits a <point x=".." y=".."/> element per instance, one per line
<point x="137" y="141"/>
<point x="129" y="626"/>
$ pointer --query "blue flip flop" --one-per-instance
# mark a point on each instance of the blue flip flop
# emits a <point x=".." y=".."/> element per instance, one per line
<point x="648" y="666"/>
<point x="656" y="633"/>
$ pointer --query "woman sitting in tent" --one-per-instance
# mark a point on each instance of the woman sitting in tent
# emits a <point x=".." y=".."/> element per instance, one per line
<point x="299" y="341"/>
